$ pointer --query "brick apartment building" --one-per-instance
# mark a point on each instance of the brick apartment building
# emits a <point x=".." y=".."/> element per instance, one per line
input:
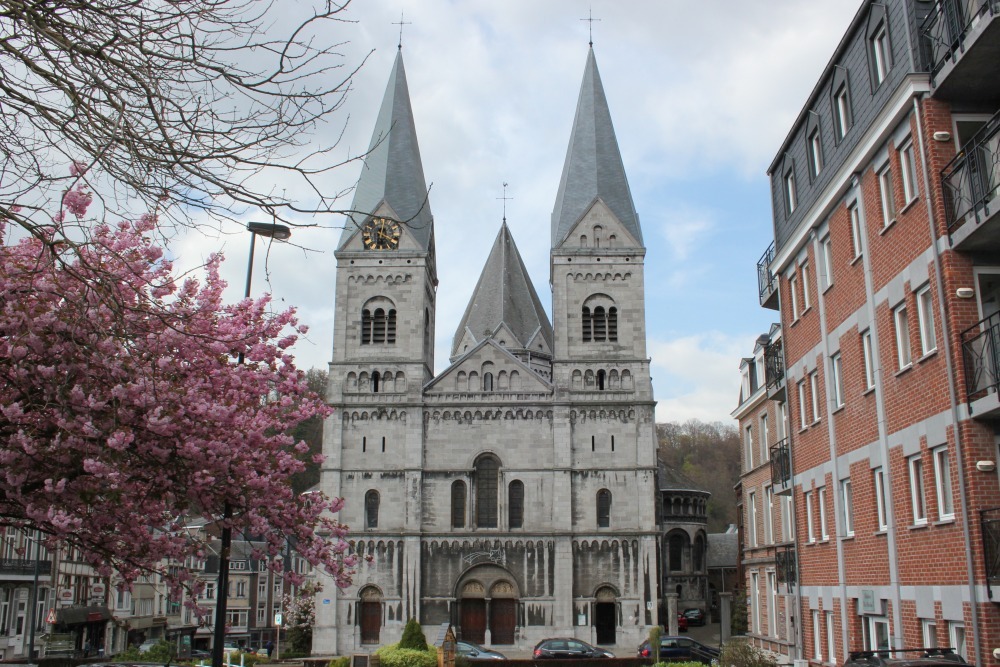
<point x="873" y="407"/>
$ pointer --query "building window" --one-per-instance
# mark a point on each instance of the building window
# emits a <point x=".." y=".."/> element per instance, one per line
<point x="842" y="110"/>
<point x="817" y="638"/>
<point x="515" y="504"/>
<point x="838" y="383"/>
<point x="885" y="195"/>
<point x="925" y="320"/>
<point x="487" y="381"/>
<point x="810" y="522"/>
<point x="765" y="453"/>
<point x="869" y="359"/>
<point x="802" y="403"/>
<point x="908" y="170"/>
<point x="814" y="390"/>
<point x="876" y="633"/>
<point x="806" y="302"/>
<point x="942" y="484"/>
<point x="787" y="519"/>
<point x="378" y="323"/>
<point x="815" y="146"/>
<point x="824" y="529"/>
<point x="600" y="320"/>
<point x="902" y="322"/>
<point x="749" y="446"/>
<point x="855" y="216"/>
<point x="929" y="631"/>
<point x="603" y="508"/>
<point x="793" y="289"/>
<point x="487" y="474"/>
<point x="752" y="519"/>
<point x="848" y="500"/>
<point x="879" y="43"/>
<point x="755" y="603"/>
<point x="768" y="515"/>
<point x="458" y="504"/>
<point x="772" y="604"/>
<point x="676" y="553"/>
<point x="826" y="246"/>
<point x="917" y="496"/>
<point x="956" y="637"/>
<point x="371" y="509"/>
<point x="879" y="478"/>
<point x="790" y="194"/>
<point x="831" y="643"/>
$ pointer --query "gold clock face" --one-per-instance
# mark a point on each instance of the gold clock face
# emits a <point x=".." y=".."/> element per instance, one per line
<point x="381" y="234"/>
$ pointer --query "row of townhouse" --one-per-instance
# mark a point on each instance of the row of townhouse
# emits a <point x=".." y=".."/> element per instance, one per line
<point x="870" y="413"/>
<point x="56" y="603"/>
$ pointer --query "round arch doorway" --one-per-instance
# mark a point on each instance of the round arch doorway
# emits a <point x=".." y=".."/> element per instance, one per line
<point x="605" y="615"/>
<point x="487" y="605"/>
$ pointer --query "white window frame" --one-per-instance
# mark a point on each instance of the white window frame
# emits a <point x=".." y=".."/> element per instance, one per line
<point x="790" y="194"/>
<point x="765" y="453"/>
<point x="815" y="152"/>
<point x="768" y="514"/>
<point x="918" y="496"/>
<point x="957" y="638"/>
<point x="878" y="475"/>
<point x="942" y="484"/>
<point x="928" y="629"/>
<point x="869" y="359"/>
<point x="925" y="321"/>
<point x="870" y="628"/>
<point x="824" y="528"/>
<point x="817" y="639"/>
<point x="838" y="381"/>
<point x="855" y="215"/>
<point x="831" y="644"/>
<point x="787" y="518"/>
<point x="814" y="389"/>
<point x="806" y="302"/>
<point x="826" y="245"/>
<point x="748" y="442"/>
<point x="810" y="522"/>
<point x="793" y="289"/>
<point x="802" y="403"/>
<point x="886" y="195"/>
<point x="772" y="604"/>
<point x="752" y="519"/>
<point x="847" y="500"/>
<point x="908" y="172"/>
<point x="781" y="420"/>
<point x="880" y="54"/>
<point x="842" y="111"/>
<point x="902" y="325"/>
<point x="755" y="603"/>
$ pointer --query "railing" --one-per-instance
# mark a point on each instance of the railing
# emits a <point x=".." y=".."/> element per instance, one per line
<point x="25" y="566"/>
<point x="774" y="366"/>
<point x="972" y="179"/>
<point x="989" y="522"/>
<point x="947" y="24"/>
<point x="781" y="463"/>
<point x="784" y="565"/>
<point x="765" y="279"/>
<point x="981" y="351"/>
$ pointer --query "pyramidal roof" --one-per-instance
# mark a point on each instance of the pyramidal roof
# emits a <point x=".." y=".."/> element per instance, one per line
<point x="504" y="298"/>
<point x="392" y="171"/>
<point x="593" y="167"/>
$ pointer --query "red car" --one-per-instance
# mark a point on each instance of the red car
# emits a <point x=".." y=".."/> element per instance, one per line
<point x="682" y="624"/>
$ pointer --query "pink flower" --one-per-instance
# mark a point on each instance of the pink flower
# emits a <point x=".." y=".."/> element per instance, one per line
<point x="77" y="169"/>
<point x="77" y="201"/>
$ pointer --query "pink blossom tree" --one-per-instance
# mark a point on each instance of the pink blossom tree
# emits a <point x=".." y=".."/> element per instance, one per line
<point x="123" y="411"/>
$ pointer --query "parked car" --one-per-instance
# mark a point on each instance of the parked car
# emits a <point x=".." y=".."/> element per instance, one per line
<point x="682" y="624"/>
<point x="694" y="616"/>
<point x="683" y="649"/>
<point x="917" y="657"/>
<point x="198" y="654"/>
<point x="471" y="651"/>
<point x="565" y="648"/>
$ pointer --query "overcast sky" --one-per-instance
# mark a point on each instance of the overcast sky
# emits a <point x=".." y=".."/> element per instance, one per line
<point x="701" y="95"/>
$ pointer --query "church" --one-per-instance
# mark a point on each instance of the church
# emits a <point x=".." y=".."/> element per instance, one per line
<point x="511" y="495"/>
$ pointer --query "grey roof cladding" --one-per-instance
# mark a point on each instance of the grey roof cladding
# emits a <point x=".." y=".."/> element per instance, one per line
<point x="852" y="54"/>
<point x="593" y="168"/>
<point x="504" y="295"/>
<point x="723" y="550"/>
<point x="392" y="171"/>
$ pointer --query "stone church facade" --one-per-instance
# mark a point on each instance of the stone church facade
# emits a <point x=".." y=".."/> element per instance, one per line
<point x="513" y="494"/>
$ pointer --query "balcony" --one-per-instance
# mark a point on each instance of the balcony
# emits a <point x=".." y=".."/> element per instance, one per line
<point x="962" y="49"/>
<point x="781" y="467"/>
<point x="989" y="523"/>
<point x="784" y="566"/>
<point x="25" y="567"/>
<point x="767" y="282"/>
<point x="981" y="355"/>
<point x="774" y="371"/>
<point x="971" y="185"/>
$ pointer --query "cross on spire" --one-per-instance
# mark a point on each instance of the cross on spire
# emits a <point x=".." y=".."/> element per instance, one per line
<point x="590" y="19"/>
<point x="505" y="198"/>
<point x="401" y="23"/>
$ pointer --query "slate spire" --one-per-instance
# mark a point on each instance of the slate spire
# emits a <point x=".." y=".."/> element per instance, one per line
<point x="505" y="306"/>
<point x="593" y="167"/>
<point x="393" y="173"/>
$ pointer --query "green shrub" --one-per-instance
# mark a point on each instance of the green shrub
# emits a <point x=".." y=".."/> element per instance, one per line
<point x="738" y="614"/>
<point x="250" y="658"/>
<point x="678" y="664"/>
<point x="162" y="652"/>
<point x="413" y="636"/>
<point x="655" y="633"/>
<point x="462" y="661"/>
<point x="343" y="661"/>
<point x="395" y="656"/>
<point x="741" y="653"/>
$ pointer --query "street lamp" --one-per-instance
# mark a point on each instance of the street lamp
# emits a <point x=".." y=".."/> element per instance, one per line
<point x="281" y="233"/>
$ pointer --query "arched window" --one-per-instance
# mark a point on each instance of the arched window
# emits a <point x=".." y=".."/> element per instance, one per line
<point x="600" y="324"/>
<point x="458" y="504"/>
<point x="378" y="322"/>
<point x="487" y="478"/>
<point x="676" y="553"/>
<point x="376" y="378"/>
<point x="699" y="554"/>
<point x="600" y="380"/>
<point x="587" y="325"/>
<point x="487" y="381"/>
<point x="371" y="509"/>
<point x="612" y="323"/>
<point x="515" y="504"/>
<point x="600" y="319"/>
<point x="603" y="508"/>
<point x="378" y="325"/>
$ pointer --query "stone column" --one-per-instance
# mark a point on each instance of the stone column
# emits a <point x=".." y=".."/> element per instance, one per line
<point x="671" y="614"/>
<point x="726" y="616"/>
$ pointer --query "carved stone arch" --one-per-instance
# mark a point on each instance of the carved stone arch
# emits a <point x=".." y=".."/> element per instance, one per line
<point x="351" y="382"/>
<point x="503" y="589"/>
<point x="508" y="415"/>
<point x="472" y="589"/>
<point x="370" y="593"/>
<point x="468" y="415"/>
<point x="588" y="379"/>
<point x="577" y="381"/>
<point x="462" y="381"/>
<point x="515" y="381"/>
<point x="626" y="380"/>
<point x="479" y="415"/>
<point x="437" y="414"/>
<point x="606" y="593"/>
<point x="631" y="414"/>
<point x="593" y="415"/>
<point x="503" y="381"/>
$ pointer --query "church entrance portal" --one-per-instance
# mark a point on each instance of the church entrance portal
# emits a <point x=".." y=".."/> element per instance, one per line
<point x="487" y="600"/>
<point x="605" y="616"/>
<point x="474" y="620"/>
<point x="370" y="614"/>
<point x="503" y="613"/>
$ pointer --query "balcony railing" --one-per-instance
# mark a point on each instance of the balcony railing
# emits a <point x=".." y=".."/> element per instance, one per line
<point x="981" y="351"/>
<point x="784" y="565"/>
<point x="25" y="566"/>
<point x="774" y="366"/>
<point x="766" y="282"/>
<point x="972" y="179"/>
<point x="781" y="465"/>
<point x="989" y="521"/>
<point x="946" y="26"/>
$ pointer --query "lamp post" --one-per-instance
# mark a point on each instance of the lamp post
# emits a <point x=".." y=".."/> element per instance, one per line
<point x="279" y="232"/>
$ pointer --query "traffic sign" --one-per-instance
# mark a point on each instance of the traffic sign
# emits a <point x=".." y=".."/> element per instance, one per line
<point x="51" y="618"/>
<point x="277" y="618"/>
